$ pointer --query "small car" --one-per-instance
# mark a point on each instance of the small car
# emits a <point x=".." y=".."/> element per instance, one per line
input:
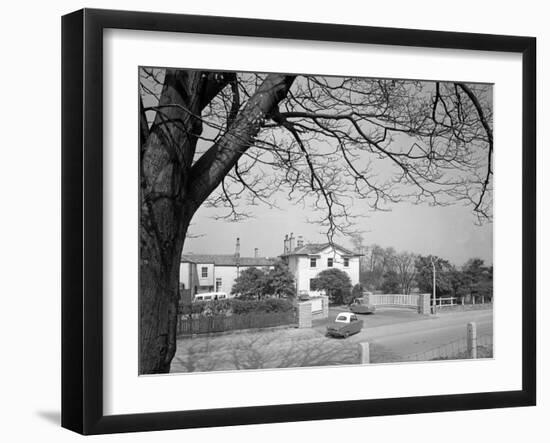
<point x="344" y="325"/>
<point x="360" y="307"/>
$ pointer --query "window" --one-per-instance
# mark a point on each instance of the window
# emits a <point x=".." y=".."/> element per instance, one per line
<point x="330" y="262"/>
<point x="204" y="272"/>
<point x="218" y="284"/>
<point x="346" y="262"/>
<point x="313" y="262"/>
<point x="311" y="284"/>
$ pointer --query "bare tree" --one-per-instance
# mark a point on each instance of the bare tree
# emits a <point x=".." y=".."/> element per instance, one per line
<point x="223" y="139"/>
<point x="406" y="271"/>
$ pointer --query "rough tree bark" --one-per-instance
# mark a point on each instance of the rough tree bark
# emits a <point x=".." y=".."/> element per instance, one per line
<point x="172" y="188"/>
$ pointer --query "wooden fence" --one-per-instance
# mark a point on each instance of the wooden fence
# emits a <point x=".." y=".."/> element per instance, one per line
<point x="219" y="323"/>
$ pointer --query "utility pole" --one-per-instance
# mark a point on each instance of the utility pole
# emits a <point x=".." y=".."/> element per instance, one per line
<point x="433" y="285"/>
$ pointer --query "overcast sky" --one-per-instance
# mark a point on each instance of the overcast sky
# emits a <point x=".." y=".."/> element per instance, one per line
<point x="449" y="232"/>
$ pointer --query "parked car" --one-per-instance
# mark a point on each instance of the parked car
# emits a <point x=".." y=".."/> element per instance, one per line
<point x="359" y="306"/>
<point x="344" y="325"/>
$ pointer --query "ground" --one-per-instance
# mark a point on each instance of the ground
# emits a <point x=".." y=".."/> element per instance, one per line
<point x="393" y="334"/>
<point x="431" y="338"/>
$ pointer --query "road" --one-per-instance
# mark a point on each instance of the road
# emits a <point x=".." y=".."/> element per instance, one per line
<point x="394" y="335"/>
<point x="399" y="341"/>
<point x="382" y="317"/>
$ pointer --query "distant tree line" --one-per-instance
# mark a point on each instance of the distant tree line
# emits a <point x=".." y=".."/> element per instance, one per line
<point x="474" y="278"/>
<point x="386" y="270"/>
<point x="381" y="270"/>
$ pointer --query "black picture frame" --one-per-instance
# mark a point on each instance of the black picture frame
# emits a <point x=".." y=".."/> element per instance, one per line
<point x="82" y="218"/>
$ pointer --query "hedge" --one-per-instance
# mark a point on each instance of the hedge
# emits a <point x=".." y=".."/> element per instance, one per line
<point x="237" y="306"/>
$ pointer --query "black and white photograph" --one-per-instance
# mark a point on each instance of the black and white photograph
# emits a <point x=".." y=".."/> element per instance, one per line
<point x="296" y="220"/>
<point x="272" y="222"/>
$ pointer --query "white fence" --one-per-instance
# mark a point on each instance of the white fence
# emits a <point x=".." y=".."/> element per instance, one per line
<point x="394" y="299"/>
<point x="445" y="301"/>
<point x="316" y="305"/>
<point x="442" y="302"/>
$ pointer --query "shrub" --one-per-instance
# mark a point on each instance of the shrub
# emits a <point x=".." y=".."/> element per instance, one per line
<point x="236" y="306"/>
<point x="275" y="305"/>
<point x="265" y="305"/>
<point x="357" y="291"/>
<point x="243" y="306"/>
<point x="214" y="307"/>
<point x="335" y="283"/>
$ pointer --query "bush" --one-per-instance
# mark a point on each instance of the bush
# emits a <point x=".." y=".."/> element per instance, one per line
<point x="243" y="306"/>
<point x="357" y="292"/>
<point x="335" y="283"/>
<point x="236" y="306"/>
<point x="214" y="307"/>
<point x="255" y="284"/>
<point x="191" y="308"/>
<point x="265" y="305"/>
<point x="275" y="305"/>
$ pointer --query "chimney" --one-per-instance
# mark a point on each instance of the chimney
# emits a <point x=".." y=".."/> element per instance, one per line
<point x="285" y="244"/>
<point x="291" y="242"/>
<point x="255" y="252"/>
<point x="300" y="242"/>
<point x="238" y="248"/>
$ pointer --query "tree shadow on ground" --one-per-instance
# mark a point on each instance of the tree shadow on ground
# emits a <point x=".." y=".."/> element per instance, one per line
<point x="262" y="350"/>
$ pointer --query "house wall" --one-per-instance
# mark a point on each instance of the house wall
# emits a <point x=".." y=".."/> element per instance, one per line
<point x="299" y="266"/>
<point x="293" y="268"/>
<point x="190" y="276"/>
<point x="184" y="275"/>
<point x="304" y="272"/>
<point x="207" y="281"/>
<point x="228" y="274"/>
<point x="189" y="279"/>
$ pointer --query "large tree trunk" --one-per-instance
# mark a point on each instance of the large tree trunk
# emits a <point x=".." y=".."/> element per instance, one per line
<point x="159" y="296"/>
<point x="172" y="188"/>
<point x="166" y="155"/>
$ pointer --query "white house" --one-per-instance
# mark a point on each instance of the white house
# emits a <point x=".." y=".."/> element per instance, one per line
<point x="305" y="261"/>
<point x="201" y="273"/>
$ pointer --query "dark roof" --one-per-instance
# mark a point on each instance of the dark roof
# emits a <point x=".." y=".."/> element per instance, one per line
<point x="316" y="248"/>
<point x="227" y="260"/>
